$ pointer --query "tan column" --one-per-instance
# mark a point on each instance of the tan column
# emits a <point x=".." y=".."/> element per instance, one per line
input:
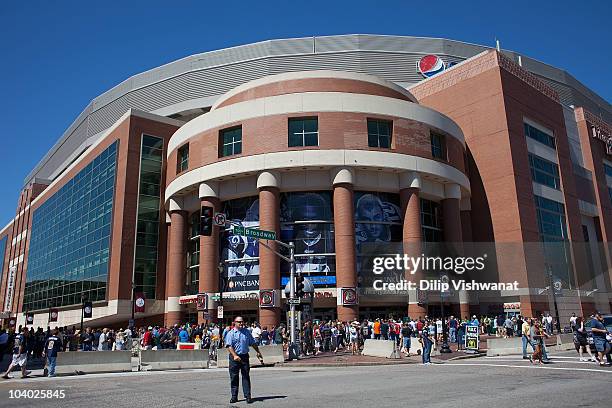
<point x="412" y="240"/>
<point x="269" y="262"/>
<point x="209" y="261"/>
<point x="453" y="232"/>
<point x="344" y="241"/>
<point x="175" y="277"/>
<point x="451" y="216"/>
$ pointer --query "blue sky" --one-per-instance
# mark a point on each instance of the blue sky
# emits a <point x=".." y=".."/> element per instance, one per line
<point x="57" y="56"/>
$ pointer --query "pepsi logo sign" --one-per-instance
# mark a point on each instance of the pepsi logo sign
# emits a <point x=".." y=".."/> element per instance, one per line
<point x="430" y="65"/>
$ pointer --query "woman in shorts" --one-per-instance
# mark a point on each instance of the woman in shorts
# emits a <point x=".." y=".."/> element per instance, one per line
<point x="316" y="332"/>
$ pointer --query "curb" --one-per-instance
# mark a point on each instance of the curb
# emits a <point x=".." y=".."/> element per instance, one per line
<point x="465" y="357"/>
<point x="339" y="364"/>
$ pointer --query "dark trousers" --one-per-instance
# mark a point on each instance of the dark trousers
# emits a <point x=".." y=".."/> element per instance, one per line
<point x="237" y="367"/>
<point x="427" y="351"/>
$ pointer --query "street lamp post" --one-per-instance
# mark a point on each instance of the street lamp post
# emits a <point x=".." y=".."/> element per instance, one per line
<point x="554" y="296"/>
<point x="221" y="284"/>
<point x="133" y="304"/>
<point x="445" y="347"/>
<point x="82" y="310"/>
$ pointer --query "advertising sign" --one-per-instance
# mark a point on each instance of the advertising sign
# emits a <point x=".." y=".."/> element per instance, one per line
<point x="53" y="313"/>
<point x="10" y="285"/>
<point x="87" y="310"/>
<point x="266" y="298"/>
<point x="348" y="297"/>
<point x="202" y="302"/>
<point x="139" y="304"/>
<point x="471" y="338"/>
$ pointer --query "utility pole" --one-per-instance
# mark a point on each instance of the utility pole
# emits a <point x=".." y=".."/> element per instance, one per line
<point x="293" y="351"/>
<point x="82" y="311"/>
<point x="293" y="346"/>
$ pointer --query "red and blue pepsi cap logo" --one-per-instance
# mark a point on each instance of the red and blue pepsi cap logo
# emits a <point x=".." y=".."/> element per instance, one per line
<point x="430" y="65"/>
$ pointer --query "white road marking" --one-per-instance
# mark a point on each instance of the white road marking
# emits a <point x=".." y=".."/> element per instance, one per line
<point x="528" y="366"/>
<point x="551" y="359"/>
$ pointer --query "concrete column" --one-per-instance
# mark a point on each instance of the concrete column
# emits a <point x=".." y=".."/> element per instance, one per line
<point x="175" y="277"/>
<point x="344" y="240"/>
<point x="453" y="232"/>
<point x="209" y="261"/>
<point x="451" y="215"/>
<point x="412" y="235"/>
<point x="269" y="263"/>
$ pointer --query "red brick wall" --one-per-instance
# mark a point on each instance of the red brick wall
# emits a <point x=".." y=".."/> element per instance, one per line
<point x="313" y="85"/>
<point x="337" y="130"/>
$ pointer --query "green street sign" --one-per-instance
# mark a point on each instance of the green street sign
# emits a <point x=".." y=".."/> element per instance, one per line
<point x="254" y="233"/>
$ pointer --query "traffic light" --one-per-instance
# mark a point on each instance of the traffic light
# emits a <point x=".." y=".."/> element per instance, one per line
<point x="299" y="286"/>
<point x="206" y="221"/>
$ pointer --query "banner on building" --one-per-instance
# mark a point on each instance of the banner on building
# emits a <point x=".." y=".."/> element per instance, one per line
<point x="139" y="302"/>
<point x="267" y="298"/>
<point x="10" y="286"/>
<point x="348" y="297"/>
<point x="53" y="313"/>
<point x="29" y="319"/>
<point x="87" y="310"/>
<point x="202" y="302"/>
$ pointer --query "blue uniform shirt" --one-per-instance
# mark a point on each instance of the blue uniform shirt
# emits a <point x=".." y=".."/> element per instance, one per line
<point x="183" y="336"/>
<point x="52" y="346"/>
<point x="239" y="340"/>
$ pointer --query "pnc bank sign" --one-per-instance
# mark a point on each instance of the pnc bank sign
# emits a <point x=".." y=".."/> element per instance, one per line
<point x="604" y="136"/>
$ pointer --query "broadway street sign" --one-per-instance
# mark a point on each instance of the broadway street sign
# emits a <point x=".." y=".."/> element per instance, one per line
<point x="254" y="233"/>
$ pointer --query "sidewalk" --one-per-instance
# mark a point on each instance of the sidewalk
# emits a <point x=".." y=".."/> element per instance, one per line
<point x="345" y="358"/>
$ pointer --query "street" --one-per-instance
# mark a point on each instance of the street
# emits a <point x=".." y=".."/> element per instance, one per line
<point x="480" y="382"/>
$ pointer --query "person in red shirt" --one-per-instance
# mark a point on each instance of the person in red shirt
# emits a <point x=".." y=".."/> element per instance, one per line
<point x="147" y="339"/>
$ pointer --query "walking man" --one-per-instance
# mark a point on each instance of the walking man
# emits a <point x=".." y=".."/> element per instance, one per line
<point x="20" y="354"/>
<point x="238" y="341"/>
<point x="52" y="346"/>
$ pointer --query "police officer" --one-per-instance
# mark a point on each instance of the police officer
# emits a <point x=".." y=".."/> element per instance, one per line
<point x="238" y="340"/>
<point x="427" y="345"/>
<point x="52" y="346"/>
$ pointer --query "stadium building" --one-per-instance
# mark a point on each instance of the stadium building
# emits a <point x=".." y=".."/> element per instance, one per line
<point x="347" y="146"/>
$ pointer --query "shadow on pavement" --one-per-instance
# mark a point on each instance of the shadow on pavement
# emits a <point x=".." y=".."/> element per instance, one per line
<point x="269" y="397"/>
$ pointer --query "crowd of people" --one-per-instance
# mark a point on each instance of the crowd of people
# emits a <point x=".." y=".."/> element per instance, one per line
<point x="315" y="336"/>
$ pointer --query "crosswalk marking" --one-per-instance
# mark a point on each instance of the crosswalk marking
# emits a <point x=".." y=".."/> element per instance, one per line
<point x="541" y="367"/>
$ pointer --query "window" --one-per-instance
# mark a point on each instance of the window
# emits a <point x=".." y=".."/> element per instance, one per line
<point x="147" y="224"/>
<point x="551" y="219"/>
<point x="544" y="172"/>
<point x="69" y="249"/>
<point x="379" y="133"/>
<point x="553" y="234"/>
<point x="303" y="132"/>
<point x="608" y="169"/>
<point x="438" y="147"/>
<point x="3" y="242"/>
<point x="431" y="221"/>
<point x="537" y="134"/>
<point x="182" y="161"/>
<point x="230" y="142"/>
